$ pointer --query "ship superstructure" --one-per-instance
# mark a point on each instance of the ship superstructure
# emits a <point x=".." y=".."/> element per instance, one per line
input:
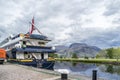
<point x="29" y="48"/>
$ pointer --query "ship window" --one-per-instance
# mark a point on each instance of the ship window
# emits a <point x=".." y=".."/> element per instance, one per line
<point x="41" y="43"/>
<point x="24" y="42"/>
<point x="42" y="56"/>
<point x="25" y="55"/>
<point x="15" y="37"/>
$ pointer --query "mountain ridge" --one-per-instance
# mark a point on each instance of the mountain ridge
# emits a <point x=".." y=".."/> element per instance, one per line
<point x="80" y="49"/>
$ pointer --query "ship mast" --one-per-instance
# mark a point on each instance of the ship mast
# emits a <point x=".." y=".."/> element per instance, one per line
<point x="33" y="27"/>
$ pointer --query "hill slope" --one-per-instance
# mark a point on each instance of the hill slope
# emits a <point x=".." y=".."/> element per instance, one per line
<point x="80" y="49"/>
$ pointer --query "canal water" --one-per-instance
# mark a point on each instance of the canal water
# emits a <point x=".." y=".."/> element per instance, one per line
<point x="105" y="71"/>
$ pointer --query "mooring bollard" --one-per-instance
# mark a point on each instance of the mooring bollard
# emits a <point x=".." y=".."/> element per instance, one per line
<point x="64" y="76"/>
<point x="94" y="76"/>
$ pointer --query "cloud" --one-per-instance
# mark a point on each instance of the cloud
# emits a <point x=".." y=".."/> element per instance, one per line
<point x="95" y="22"/>
<point x="112" y="7"/>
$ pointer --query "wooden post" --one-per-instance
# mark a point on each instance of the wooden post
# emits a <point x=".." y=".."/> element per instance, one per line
<point x="64" y="76"/>
<point x="94" y="76"/>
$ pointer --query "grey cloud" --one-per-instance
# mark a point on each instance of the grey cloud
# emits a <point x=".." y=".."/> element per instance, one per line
<point x="16" y="19"/>
<point x="108" y="39"/>
<point x="112" y="7"/>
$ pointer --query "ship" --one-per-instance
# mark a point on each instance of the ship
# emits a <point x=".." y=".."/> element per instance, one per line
<point x="29" y="49"/>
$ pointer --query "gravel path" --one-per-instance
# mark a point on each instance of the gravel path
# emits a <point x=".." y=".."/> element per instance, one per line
<point x="14" y="72"/>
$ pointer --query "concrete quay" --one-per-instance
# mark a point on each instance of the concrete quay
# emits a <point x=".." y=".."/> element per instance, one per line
<point x="20" y="72"/>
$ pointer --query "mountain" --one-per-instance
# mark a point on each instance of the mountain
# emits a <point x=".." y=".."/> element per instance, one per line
<point x="80" y="49"/>
<point x="61" y="47"/>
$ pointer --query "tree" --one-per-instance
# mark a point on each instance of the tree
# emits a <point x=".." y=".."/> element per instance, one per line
<point x="98" y="56"/>
<point x="110" y="53"/>
<point x="53" y="55"/>
<point x="74" y="55"/>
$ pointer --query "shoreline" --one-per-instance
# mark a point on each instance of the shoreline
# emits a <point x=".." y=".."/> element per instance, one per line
<point x="101" y="61"/>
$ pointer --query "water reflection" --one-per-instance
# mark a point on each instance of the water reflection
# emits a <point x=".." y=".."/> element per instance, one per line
<point x="74" y="63"/>
<point x="109" y="68"/>
<point x="76" y="67"/>
<point x="113" y="69"/>
<point x="108" y="72"/>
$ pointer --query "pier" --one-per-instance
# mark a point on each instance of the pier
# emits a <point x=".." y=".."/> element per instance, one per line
<point x="10" y="71"/>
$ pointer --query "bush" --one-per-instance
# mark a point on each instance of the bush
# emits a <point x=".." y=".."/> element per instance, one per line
<point x="53" y="55"/>
<point x="110" y="53"/>
<point x="74" y="55"/>
<point x="85" y="57"/>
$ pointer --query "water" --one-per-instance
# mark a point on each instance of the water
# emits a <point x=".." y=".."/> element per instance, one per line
<point x="105" y="71"/>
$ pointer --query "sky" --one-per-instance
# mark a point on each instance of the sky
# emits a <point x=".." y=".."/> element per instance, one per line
<point x="94" y="22"/>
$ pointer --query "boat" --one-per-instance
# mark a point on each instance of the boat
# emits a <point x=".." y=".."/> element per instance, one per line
<point x="29" y="49"/>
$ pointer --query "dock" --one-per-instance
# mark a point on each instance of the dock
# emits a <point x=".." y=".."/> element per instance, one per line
<point x="10" y="71"/>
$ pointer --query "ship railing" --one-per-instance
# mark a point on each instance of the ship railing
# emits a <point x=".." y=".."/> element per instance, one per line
<point x="41" y="47"/>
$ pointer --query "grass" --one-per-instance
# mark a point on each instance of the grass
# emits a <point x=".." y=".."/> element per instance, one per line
<point x="111" y="61"/>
